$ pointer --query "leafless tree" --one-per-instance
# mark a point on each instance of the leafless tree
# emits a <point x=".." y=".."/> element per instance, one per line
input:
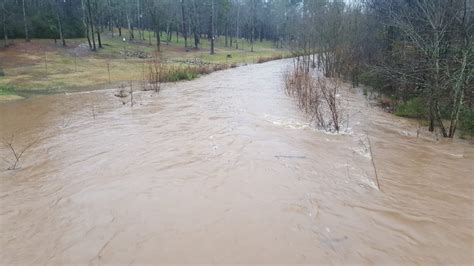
<point x="439" y="38"/>
<point x="330" y="91"/>
<point x="155" y="74"/>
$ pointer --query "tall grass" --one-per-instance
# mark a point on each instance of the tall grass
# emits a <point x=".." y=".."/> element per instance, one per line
<point x="177" y="73"/>
<point x="261" y="60"/>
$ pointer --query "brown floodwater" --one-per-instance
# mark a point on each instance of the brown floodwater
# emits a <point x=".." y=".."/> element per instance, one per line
<point x="226" y="169"/>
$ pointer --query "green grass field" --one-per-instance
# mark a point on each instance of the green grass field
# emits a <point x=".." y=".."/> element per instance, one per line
<point x="41" y="66"/>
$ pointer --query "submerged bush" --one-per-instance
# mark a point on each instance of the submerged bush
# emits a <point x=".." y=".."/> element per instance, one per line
<point x="318" y="97"/>
<point x="413" y="108"/>
<point x="387" y="103"/>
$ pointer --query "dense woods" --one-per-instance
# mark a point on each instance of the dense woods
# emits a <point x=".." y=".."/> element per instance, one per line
<point x="192" y="19"/>
<point x="417" y="53"/>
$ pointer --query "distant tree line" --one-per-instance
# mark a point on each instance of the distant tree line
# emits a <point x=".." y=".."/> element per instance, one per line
<point x="40" y="19"/>
<point x="253" y="20"/>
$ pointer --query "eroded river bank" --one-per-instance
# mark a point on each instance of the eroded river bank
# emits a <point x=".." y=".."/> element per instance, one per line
<point x="225" y="169"/>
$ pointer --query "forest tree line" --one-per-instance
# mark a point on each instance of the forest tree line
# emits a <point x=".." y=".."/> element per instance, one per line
<point x="417" y="52"/>
<point x="192" y="19"/>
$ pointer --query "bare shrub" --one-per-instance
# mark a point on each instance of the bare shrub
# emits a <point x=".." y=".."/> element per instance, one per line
<point x="330" y="91"/>
<point x="93" y="111"/>
<point x="155" y="73"/>
<point x="121" y="92"/>
<point x="16" y="153"/>
<point x="318" y="97"/>
<point x="131" y="93"/>
<point x="387" y="103"/>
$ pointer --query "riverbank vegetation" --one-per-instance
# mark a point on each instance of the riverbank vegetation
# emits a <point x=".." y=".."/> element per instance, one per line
<point x="418" y="55"/>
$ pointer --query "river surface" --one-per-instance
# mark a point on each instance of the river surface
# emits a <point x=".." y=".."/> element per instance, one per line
<point x="226" y="169"/>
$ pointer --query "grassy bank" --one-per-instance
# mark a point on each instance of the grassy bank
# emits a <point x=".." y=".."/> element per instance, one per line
<point x="8" y="93"/>
<point x="43" y="66"/>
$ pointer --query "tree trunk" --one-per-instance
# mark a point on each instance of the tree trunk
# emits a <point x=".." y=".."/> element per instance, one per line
<point x="60" y="25"/>
<point x="91" y="21"/>
<point x="212" y="27"/>
<point x="85" y="23"/>
<point x="149" y="37"/>
<point x="99" y="39"/>
<point x="226" y="35"/>
<point x="196" y="39"/>
<point x="130" y="29"/>
<point x="110" y="18"/>
<point x="25" y="24"/>
<point x="458" y="97"/>
<point x="252" y="37"/>
<point x="185" y="33"/>
<point x="139" y="26"/>
<point x="156" y="24"/>
<point x="61" y="35"/>
<point x="431" y="118"/>
<point x="167" y="32"/>
<point x="237" y="28"/>
<point x="177" y="33"/>
<point x="158" y="40"/>
<point x="5" y="35"/>
<point x="195" y="25"/>
<point x="440" y="120"/>
<point x="98" y="26"/>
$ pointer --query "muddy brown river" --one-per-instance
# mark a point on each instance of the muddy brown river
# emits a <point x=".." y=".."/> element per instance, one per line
<point x="226" y="169"/>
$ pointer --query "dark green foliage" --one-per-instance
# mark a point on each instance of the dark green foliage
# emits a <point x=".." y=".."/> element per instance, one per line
<point x="44" y="26"/>
<point x="413" y="108"/>
<point x="372" y="79"/>
<point x="466" y="123"/>
<point x="6" y="90"/>
<point x="42" y="19"/>
<point x="180" y="74"/>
